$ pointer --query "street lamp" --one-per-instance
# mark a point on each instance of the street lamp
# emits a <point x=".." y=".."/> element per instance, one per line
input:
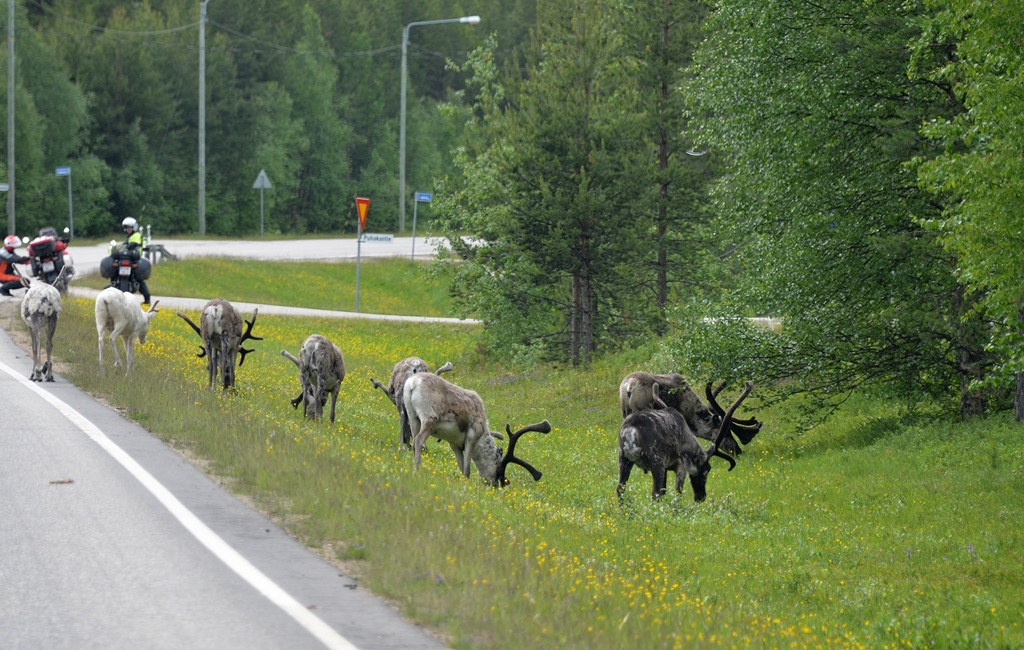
<point x="469" y="20"/>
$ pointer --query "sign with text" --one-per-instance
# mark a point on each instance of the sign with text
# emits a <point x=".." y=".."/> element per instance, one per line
<point x="362" y="206"/>
<point x="369" y="236"/>
<point x="63" y="171"/>
<point x="424" y="197"/>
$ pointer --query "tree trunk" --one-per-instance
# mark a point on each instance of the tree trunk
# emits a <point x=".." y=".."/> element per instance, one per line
<point x="1018" y="394"/>
<point x="663" y="156"/>
<point x="574" y="320"/>
<point x="588" y="323"/>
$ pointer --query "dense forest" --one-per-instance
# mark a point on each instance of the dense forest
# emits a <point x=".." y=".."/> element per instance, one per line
<point x="308" y="91"/>
<point x="652" y="171"/>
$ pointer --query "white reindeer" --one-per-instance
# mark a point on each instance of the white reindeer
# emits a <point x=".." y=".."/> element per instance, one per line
<point x="321" y="371"/>
<point x="456" y="415"/>
<point x="119" y="315"/>
<point x="40" y="309"/>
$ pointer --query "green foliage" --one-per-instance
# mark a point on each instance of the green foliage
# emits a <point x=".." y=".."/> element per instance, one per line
<point x="812" y="110"/>
<point x="307" y="91"/>
<point x="551" y="189"/>
<point x="980" y="175"/>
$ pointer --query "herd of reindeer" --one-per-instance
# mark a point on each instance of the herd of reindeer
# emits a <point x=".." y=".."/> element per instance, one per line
<point x="662" y="416"/>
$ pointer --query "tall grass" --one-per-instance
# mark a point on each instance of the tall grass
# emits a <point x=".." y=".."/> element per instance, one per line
<point x="880" y="529"/>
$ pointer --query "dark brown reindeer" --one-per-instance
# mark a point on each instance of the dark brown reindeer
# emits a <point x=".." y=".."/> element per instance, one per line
<point x="660" y="440"/>
<point x="403" y="370"/>
<point x="220" y="329"/>
<point x="636" y="394"/>
<point x="456" y="415"/>
<point x="321" y="371"/>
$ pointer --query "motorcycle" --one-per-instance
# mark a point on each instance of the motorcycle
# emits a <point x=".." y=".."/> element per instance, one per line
<point x="125" y="267"/>
<point x="49" y="256"/>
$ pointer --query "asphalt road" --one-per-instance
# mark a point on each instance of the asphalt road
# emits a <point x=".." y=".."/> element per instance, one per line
<point x="110" y="539"/>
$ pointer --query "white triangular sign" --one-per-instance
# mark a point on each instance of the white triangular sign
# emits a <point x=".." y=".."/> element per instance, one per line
<point x="262" y="182"/>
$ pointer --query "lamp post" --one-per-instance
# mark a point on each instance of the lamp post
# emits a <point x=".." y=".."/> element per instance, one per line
<point x="202" y="117"/>
<point x="469" y="20"/>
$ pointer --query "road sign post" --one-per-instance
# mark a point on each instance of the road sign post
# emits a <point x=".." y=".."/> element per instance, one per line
<point x="362" y="207"/>
<point x="421" y="197"/>
<point x="66" y="171"/>
<point x="262" y="182"/>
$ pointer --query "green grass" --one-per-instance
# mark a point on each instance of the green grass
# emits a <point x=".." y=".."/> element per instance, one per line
<point x="878" y="529"/>
<point x="390" y="286"/>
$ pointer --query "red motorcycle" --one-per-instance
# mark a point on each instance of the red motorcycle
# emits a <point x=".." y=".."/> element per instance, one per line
<point x="49" y="256"/>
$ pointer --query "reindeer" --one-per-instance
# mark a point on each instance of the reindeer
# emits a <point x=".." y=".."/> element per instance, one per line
<point x="40" y="309"/>
<point x="657" y="441"/>
<point x="457" y="416"/>
<point x="394" y="390"/>
<point x="321" y="371"/>
<point x="119" y="315"/>
<point x="221" y="331"/>
<point x="635" y="394"/>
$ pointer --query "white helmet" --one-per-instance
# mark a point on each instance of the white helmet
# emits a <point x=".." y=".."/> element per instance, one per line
<point x="130" y="222"/>
<point x="11" y="241"/>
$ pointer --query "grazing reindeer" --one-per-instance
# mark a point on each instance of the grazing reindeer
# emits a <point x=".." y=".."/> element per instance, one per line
<point x="394" y="390"/>
<point x="636" y="394"/>
<point x="118" y="315"/>
<point x="221" y="331"/>
<point x="456" y="415"/>
<point x="321" y="371"/>
<point x="657" y="441"/>
<point x="40" y="309"/>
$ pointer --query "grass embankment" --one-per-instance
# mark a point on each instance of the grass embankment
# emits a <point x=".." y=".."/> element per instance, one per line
<point x="879" y="529"/>
<point x="388" y="286"/>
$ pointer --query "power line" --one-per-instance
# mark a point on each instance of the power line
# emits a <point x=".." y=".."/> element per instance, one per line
<point x="110" y="29"/>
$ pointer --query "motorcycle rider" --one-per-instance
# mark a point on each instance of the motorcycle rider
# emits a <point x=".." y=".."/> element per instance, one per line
<point x="134" y="243"/>
<point x="8" y="258"/>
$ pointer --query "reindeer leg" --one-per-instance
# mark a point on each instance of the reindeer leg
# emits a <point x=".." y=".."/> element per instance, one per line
<point x="423" y="430"/>
<point x="460" y="456"/>
<point x="334" y="399"/>
<point x="659" y="476"/>
<point x="34" y="330"/>
<point x="403" y="427"/>
<point x="51" y="327"/>
<point x="625" y="467"/>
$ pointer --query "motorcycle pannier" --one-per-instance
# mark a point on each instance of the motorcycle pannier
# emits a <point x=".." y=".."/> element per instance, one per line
<point x="144" y="270"/>
<point x="107" y="267"/>
<point x="43" y="247"/>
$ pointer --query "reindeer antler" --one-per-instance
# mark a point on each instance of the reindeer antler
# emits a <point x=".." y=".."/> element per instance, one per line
<point x="202" y="350"/>
<point x="745" y="429"/>
<point x="248" y="335"/>
<point x="713" y="450"/>
<point x="513" y="438"/>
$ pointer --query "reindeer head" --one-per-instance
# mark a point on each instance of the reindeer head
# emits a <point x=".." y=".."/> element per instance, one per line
<point x="509" y="457"/>
<point x="701" y="467"/>
<point x="150" y="315"/>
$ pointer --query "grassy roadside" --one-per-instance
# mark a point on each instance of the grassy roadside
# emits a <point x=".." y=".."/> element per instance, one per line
<point x="386" y="286"/>
<point x="879" y="529"/>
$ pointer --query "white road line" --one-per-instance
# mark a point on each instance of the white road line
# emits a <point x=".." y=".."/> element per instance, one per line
<point x="229" y="556"/>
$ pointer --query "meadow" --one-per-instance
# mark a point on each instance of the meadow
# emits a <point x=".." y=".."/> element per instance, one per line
<point x="882" y="528"/>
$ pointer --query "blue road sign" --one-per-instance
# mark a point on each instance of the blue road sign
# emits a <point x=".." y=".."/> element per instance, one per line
<point x="424" y="197"/>
<point x="63" y="171"/>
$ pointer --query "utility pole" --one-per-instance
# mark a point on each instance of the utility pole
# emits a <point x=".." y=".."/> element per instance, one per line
<point x="10" y="117"/>
<point x="202" y="117"/>
<point x="468" y="20"/>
